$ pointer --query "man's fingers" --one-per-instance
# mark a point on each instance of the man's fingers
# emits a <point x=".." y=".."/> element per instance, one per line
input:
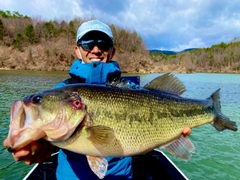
<point x="21" y="154"/>
<point x="5" y="143"/>
<point x="186" y="131"/>
<point x="46" y="152"/>
<point x="29" y="154"/>
<point x="35" y="152"/>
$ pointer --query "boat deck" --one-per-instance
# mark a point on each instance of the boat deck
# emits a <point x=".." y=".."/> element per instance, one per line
<point x="153" y="165"/>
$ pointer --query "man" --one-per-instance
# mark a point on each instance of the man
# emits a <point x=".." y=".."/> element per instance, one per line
<point x="94" y="65"/>
<point x="94" y="50"/>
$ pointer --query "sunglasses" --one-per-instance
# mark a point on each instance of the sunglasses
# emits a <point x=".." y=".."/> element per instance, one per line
<point x="90" y="44"/>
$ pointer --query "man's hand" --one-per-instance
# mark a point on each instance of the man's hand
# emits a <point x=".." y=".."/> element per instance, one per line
<point x="186" y="131"/>
<point x="35" y="152"/>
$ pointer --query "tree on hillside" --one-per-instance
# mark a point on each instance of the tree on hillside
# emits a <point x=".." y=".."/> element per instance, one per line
<point x="17" y="14"/>
<point x="71" y="28"/>
<point x="1" y="30"/>
<point x="29" y="33"/>
<point x="49" y="30"/>
<point x="8" y="14"/>
<point x="39" y="30"/>
<point x="4" y="14"/>
<point x="18" y="41"/>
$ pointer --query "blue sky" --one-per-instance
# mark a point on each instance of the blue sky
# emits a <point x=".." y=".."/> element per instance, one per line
<point x="162" y="24"/>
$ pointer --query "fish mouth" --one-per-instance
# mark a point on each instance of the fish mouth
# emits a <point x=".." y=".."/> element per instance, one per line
<point x="20" y="134"/>
<point x="23" y="138"/>
<point x="18" y="141"/>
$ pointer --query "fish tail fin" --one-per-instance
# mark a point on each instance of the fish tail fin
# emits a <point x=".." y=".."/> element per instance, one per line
<point x="221" y="122"/>
<point x="216" y="100"/>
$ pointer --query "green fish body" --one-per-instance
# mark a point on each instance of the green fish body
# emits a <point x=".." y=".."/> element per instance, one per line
<point x="101" y="121"/>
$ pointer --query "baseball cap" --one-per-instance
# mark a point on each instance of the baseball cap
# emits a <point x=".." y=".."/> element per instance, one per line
<point x="93" y="25"/>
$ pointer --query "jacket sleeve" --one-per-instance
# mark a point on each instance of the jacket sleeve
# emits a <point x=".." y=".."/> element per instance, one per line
<point x="61" y="84"/>
<point x="64" y="83"/>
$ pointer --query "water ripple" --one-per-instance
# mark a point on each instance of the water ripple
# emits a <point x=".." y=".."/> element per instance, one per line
<point x="217" y="154"/>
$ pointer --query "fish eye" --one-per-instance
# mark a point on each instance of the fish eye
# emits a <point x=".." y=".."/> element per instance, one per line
<point x="77" y="104"/>
<point x="36" y="99"/>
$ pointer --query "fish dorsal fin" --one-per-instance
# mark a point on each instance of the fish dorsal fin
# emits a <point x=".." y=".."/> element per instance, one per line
<point x="98" y="165"/>
<point x="100" y="135"/>
<point x="181" y="148"/>
<point x="167" y="82"/>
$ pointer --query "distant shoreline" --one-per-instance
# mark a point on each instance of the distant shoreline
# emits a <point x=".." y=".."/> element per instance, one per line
<point x="173" y="72"/>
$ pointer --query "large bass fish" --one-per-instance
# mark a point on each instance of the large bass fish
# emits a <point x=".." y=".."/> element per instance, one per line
<point x="101" y="121"/>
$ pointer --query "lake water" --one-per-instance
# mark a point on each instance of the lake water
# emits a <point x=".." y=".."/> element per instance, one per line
<point x="217" y="154"/>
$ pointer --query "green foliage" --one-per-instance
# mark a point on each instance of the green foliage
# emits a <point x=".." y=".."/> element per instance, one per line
<point x="8" y="14"/>
<point x="158" y="56"/>
<point x="63" y="27"/>
<point x="17" y="42"/>
<point x="211" y="56"/>
<point x="49" y="30"/>
<point x="29" y="33"/>
<point x="71" y="24"/>
<point x="238" y="68"/>
<point x="3" y="14"/>
<point x="71" y="29"/>
<point x="221" y="45"/>
<point x="1" y="30"/>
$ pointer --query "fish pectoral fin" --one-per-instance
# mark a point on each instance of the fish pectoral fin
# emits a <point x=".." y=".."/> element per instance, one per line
<point x="101" y="135"/>
<point x="181" y="148"/>
<point x="98" y="165"/>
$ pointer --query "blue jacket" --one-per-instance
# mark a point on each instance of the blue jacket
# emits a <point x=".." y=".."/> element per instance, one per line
<point x="92" y="73"/>
<point x="74" y="166"/>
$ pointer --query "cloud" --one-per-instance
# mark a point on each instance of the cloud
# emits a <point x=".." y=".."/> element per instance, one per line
<point x="195" y="43"/>
<point x="163" y="24"/>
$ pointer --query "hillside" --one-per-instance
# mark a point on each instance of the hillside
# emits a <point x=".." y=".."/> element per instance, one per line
<point x="32" y="44"/>
<point x="220" y="58"/>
